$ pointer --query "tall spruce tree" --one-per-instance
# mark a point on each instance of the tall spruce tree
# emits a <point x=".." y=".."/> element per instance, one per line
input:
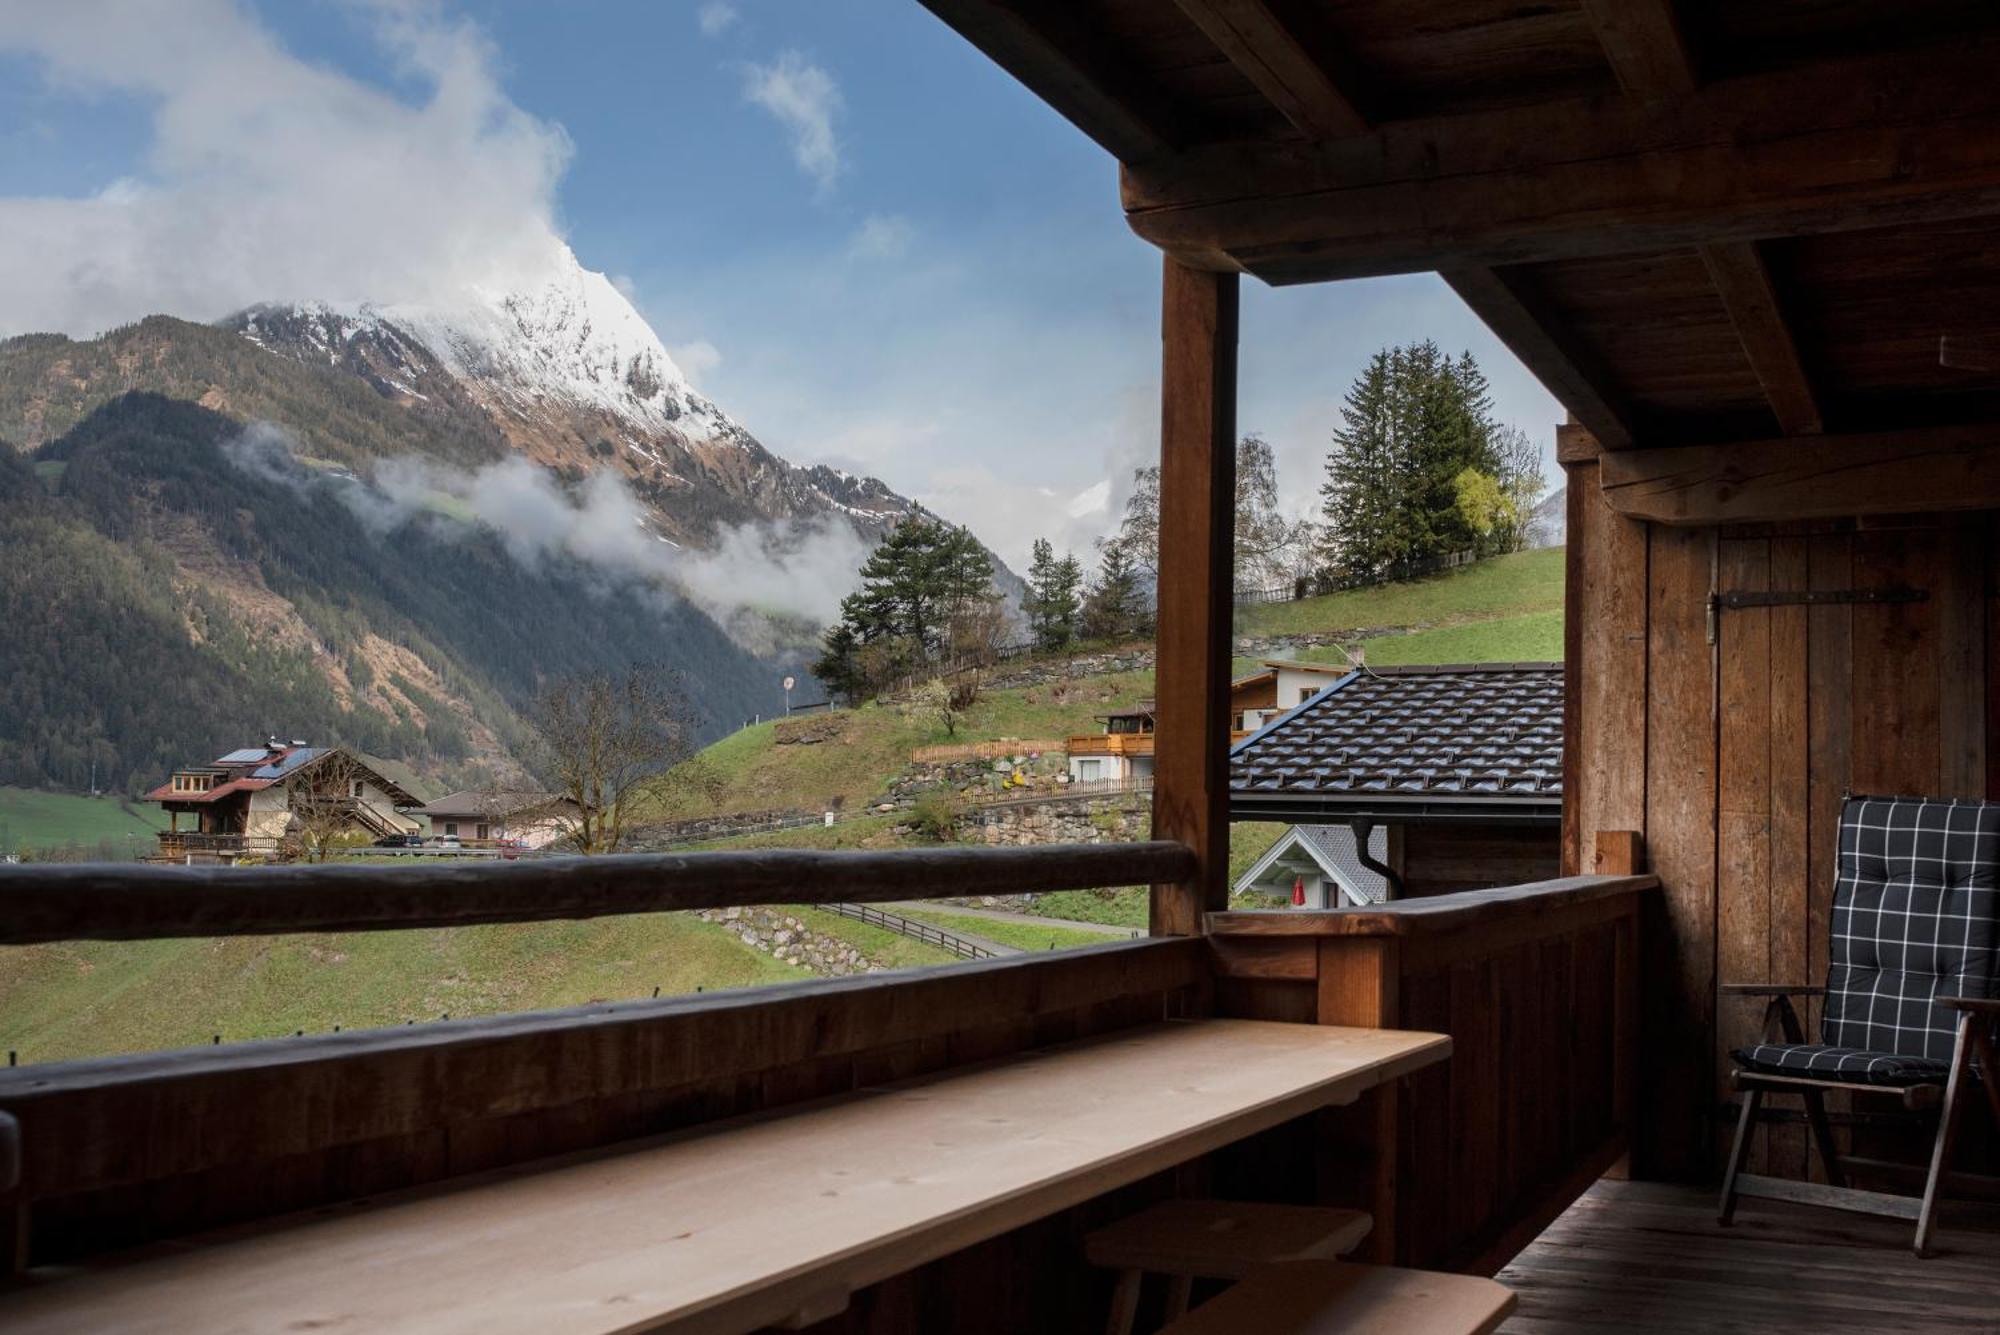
<point x="1052" y="601"/>
<point x="1114" y="607"/>
<point x="1414" y="422"/>
<point x="1358" y="499"/>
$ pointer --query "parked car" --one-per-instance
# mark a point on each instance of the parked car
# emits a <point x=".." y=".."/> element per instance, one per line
<point x="400" y="841"/>
<point x="446" y="841"/>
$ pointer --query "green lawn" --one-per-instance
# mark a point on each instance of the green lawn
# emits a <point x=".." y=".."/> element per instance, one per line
<point x="1119" y="908"/>
<point x="1020" y="935"/>
<point x="876" y="742"/>
<point x="90" y="998"/>
<point x="1536" y="637"/>
<point x="1504" y="586"/>
<point x="33" y="819"/>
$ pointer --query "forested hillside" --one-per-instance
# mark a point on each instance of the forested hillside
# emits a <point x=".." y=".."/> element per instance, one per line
<point x="164" y="598"/>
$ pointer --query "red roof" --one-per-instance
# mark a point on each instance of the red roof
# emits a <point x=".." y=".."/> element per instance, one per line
<point x="166" y="792"/>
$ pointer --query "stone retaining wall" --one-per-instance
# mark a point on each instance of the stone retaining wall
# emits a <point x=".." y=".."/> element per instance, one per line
<point x="784" y="937"/>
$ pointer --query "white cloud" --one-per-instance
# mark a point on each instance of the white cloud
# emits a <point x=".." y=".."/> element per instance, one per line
<point x="804" y="99"/>
<point x="881" y="236"/>
<point x="272" y="179"/>
<point x="696" y="359"/>
<point x="716" y="17"/>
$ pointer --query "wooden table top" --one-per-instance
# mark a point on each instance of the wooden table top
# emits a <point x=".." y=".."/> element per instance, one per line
<point x="747" y="1224"/>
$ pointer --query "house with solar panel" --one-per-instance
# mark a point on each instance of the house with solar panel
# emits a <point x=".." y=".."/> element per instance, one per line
<point x="1407" y="781"/>
<point x="264" y="801"/>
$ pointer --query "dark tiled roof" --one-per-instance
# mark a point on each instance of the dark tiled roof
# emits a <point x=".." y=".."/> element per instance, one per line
<point x="1458" y="737"/>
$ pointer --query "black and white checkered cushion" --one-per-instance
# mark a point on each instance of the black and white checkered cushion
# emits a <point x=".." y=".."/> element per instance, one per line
<point x="1822" y="1063"/>
<point x="1915" y="905"/>
<point x="1916" y="916"/>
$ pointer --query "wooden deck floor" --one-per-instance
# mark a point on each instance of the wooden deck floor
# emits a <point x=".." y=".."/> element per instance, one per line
<point x="1633" y="1256"/>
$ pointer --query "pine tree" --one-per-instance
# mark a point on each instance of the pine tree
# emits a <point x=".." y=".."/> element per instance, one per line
<point x="926" y="593"/>
<point x="1358" y="498"/>
<point x="1051" y="603"/>
<point x="1414" y="422"/>
<point x="1113" y="607"/>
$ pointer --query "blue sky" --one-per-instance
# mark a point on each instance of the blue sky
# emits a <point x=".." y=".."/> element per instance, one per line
<point x="857" y="234"/>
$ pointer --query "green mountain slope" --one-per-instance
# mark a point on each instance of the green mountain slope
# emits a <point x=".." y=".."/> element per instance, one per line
<point x="164" y="603"/>
<point x="49" y="384"/>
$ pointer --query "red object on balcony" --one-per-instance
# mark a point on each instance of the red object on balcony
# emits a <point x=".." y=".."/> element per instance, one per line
<point x="1298" y="892"/>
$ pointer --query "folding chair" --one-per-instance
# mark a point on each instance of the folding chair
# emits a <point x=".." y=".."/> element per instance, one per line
<point x="1909" y="1010"/>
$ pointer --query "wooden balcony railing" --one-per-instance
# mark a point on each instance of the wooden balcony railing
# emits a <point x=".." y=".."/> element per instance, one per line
<point x="175" y="843"/>
<point x="1112" y="744"/>
<point x="1533" y="983"/>
<point x="1538" y="987"/>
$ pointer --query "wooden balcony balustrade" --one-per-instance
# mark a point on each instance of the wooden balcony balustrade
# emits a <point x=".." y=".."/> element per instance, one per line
<point x="174" y="843"/>
<point x="1112" y="744"/>
<point x="123" y="1151"/>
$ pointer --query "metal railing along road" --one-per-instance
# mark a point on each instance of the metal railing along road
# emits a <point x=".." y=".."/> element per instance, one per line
<point x="916" y="931"/>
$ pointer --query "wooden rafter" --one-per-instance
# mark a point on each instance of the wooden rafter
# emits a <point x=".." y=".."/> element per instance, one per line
<point x="1645" y="45"/>
<point x="1807" y="477"/>
<point x="1853" y="145"/>
<point x="1271" y="56"/>
<point x="1744" y="283"/>
<point x="1517" y="315"/>
<point x="1043" y="46"/>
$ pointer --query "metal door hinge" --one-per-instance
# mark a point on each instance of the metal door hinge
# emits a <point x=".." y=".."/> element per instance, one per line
<point x="1740" y="598"/>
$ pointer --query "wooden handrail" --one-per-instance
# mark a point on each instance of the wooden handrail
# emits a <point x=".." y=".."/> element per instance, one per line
<point x="1430" y="913"/>
<point x="121" y="902"/>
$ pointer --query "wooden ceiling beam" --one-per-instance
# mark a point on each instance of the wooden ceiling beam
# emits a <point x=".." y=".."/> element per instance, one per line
<point x="1517" y="314"/>
<point x="1744" y="284"/>
<point x="1886" y="141"/>
<point x="1041" y="44"/>
<point x="1270" y="55"/>
<point x="1645" y="45"/>
<point x="1807" y="477"/>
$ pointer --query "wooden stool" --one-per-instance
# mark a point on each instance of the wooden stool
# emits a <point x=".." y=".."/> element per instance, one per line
<point x="1322" y="1297"/>
<point x="1189" y="1240"/>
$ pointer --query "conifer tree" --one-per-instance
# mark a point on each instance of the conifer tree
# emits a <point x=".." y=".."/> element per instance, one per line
<point x="1113" y="607"/>
<point x="925" y="583"/>
<point x="1052" y="603"/>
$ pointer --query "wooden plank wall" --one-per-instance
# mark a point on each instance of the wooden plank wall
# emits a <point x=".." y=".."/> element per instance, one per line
<point x="1443" y="859"/>
<point x="1735" y="755"/>
<point x="1541" y="1003"/>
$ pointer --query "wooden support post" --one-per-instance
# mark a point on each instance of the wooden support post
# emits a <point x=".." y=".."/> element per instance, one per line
<point x="1197" y="502"/>
<point x="1619" y="853"/>
<point x="1360" y="984"/>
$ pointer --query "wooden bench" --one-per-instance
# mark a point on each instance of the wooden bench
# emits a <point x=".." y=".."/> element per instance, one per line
<point x="766" y="1222"/>
<point x="1324" y="1297"/>
<point x="1188" y="1240"/>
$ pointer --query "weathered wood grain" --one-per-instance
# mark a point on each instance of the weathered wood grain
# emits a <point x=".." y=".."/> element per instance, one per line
<point x="1744" y="284"/>
<point x="1876" y="142"/>
<point x="1258" y="42"/>
<point x="1810" y="477"/>
<point x="127" y="902"/>
<point x="1677" y="1014"/>
<point x="1197" y="527"/>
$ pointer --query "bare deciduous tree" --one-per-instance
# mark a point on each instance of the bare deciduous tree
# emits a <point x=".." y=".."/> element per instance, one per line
<point x="614" y="744"/>
<point x="323" y="800"/>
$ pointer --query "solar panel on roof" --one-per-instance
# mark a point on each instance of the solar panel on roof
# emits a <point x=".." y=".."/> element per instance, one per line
<point x="244" y="756"/>
<point x="288" y="762"/>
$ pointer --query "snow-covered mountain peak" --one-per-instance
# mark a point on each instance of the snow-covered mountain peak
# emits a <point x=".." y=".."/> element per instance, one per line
<point x="567" y="341"/>
<point x="572" y="339"/>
